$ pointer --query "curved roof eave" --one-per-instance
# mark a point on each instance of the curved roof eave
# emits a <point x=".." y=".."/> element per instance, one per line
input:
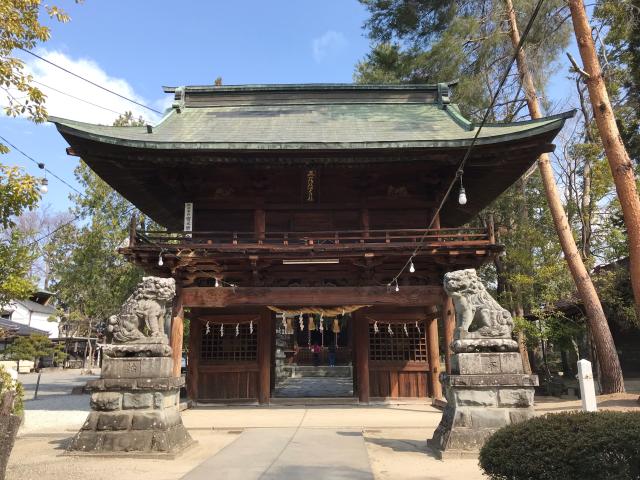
<point x="538" y="126"/>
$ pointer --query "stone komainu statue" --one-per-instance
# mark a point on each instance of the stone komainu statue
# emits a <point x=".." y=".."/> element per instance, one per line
<point x="143" y="314"/>
<point x="475" y="307"/>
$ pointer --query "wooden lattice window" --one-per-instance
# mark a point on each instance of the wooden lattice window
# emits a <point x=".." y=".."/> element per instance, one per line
<point x="407" y="347"/>
<point x="230" y="347"/>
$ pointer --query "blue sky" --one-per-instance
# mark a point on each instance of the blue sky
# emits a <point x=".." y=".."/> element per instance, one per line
<point x="136" y="47"/>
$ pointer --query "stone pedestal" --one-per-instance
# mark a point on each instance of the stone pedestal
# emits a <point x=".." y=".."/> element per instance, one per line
<point x="484" y="392"/>
<point x="134" y="410"/>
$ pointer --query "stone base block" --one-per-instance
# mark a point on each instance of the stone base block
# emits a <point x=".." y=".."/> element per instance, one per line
<point x="136" y="367"/>
<point x="486" y="363"/>
<point x="484" y="344"/>
<point x="133" y="417"/>
<point x="478" y="405"/>
<point x="162" y="443"/>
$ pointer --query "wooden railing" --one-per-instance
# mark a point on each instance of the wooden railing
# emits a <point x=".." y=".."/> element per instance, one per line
<point x="204" y="239"/>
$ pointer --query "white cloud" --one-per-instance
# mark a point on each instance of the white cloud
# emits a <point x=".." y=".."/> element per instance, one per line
<point x="61" y="105"/>
<point x="329" y="43"/>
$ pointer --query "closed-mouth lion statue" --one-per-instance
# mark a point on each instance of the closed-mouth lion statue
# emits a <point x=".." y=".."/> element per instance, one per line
<point x="474" y="306"/>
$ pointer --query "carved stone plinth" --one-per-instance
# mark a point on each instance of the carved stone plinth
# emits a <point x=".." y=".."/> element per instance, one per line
<point x="485" y="392"/>
<point x="134" y="410"/>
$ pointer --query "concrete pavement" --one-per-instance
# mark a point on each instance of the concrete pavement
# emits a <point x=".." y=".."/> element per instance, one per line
<point x="289" y="453"/>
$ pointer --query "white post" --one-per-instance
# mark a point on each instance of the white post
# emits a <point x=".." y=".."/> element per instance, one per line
<point x="587" y="389"/>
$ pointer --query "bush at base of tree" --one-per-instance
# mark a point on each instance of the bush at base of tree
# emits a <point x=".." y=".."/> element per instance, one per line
<point x="597" y="446"/>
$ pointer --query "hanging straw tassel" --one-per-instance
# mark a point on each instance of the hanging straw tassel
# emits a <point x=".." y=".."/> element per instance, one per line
<point x="335" y="328"/>
<point x="312" y="323"/>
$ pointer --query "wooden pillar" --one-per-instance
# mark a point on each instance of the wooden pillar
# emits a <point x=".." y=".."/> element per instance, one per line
<point x="193" y="364"/>
<point x="436" y="221"/>
<point x="449" y="324"/>
<point x="361" y="340"/>
<point x="177" y="331"/>
<point x="491" y="229"/>
<point x="259" y="224"/>
<point x="264" y="356"/>
<point x="434" y="355"/>
<point x="364" y="221"/>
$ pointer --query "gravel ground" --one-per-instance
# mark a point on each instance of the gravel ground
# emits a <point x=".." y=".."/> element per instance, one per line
<point x="395" y="437"/>
<point x="41" y="458"/>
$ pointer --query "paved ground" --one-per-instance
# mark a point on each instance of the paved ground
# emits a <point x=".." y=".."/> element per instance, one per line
<point x="394" y="437"/>
<point x="290" y="453"/>
<point x="315" y="387"/>
<point x="55" y="409"/>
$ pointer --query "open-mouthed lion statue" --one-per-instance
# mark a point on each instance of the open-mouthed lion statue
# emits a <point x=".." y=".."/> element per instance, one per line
<point x="475" y="307"/>
<point x="143" y="314"/>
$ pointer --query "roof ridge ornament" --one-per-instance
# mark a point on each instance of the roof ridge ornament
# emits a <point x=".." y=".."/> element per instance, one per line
<point x="443" y="95"/>
<point x="178" y="99"/>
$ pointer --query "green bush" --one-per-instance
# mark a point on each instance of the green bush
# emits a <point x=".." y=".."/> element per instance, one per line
<point x="581" y="445"/>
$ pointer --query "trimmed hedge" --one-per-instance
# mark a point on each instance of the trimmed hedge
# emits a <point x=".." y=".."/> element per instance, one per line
<point x="581" y="445"/>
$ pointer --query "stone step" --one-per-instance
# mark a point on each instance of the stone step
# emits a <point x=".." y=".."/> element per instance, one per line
<point x="313" y="401"/>
<point x="301" y="371"/>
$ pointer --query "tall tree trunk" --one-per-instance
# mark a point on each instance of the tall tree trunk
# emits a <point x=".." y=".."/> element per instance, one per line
<point x="586" y="202"/>
<point x="522" y="346"/>
<point x="619" y="161"/>
<point x="612" y="380"/>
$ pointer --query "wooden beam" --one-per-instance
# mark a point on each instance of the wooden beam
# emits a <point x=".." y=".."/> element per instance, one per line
<point x="361" y="340"/>
<point x="408" y="296"/>
<point x="177" y="332"/>
<point x="264" y="356"/>
<point x="448" y="322"/>
<point x="434" y="358"/>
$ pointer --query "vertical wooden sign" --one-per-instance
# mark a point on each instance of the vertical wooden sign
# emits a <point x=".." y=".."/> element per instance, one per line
<point x="310" y="186"/>
<point x="188" y="218"/>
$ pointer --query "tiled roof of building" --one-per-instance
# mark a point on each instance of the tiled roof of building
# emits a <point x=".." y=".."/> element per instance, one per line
<point x="37" y="307"/>
<point x="15" y="328"/>
<point x="309" y="117"/>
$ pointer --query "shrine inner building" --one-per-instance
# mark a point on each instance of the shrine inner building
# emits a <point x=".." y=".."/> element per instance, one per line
<point x="285" y="212"/>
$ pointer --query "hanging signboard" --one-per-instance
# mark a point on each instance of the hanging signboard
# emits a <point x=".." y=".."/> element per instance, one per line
<point x="310" y="186"/>
<point x="188" y="218"/>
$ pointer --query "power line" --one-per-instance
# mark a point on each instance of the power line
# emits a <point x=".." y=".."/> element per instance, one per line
<point x="77" y="98"/>
<point x="89" y="81"/>
<point x="55" y="230"/>
<point x="460" y="170"/>
<point x="61" y="226"/>
<point x="42" y="166"/>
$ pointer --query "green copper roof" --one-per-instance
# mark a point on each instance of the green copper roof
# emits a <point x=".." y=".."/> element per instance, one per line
<point x="308" y="117"/>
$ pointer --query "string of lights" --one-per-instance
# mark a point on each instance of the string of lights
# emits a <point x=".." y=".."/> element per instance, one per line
<point x="462" y="196"/>
<point x="44" y="182"/>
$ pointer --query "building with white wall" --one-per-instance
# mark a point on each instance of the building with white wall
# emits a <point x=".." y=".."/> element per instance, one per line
<point x="35" y="313"/>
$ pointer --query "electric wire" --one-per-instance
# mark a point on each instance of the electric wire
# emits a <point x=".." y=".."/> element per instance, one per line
<point x="89" y="81"/>
<point x="460" y="170"/>
<point x="77" y="98"/>
<point x="41" y="166"/>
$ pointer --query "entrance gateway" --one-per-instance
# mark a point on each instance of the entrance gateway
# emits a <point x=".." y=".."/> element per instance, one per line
<point x="309" y="198"/>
